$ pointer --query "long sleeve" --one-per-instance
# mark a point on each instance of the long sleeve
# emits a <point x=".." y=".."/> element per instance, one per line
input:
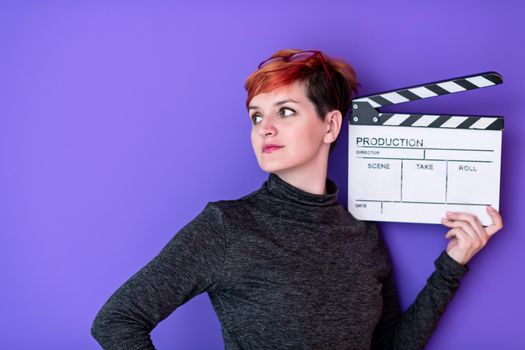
<point x="413" y="328"/>
<point x="188" y="265"/>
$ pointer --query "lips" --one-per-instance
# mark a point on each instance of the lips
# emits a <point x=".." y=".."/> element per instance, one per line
<point x="271" y="147"/>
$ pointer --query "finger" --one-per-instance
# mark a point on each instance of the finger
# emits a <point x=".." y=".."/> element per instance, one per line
<point x="474" y="222"/>
<point x="472" y="219"/>
<point x="497" y="222"/>
<point x="457" y="247"/>
<point x="464" y="225"/>
<point x="453" y="233"/>
<point x="457" y="234"/>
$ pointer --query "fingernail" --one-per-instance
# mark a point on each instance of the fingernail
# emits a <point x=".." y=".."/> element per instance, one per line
<point x="449" y="213"/>
<point x="490" y="208"/>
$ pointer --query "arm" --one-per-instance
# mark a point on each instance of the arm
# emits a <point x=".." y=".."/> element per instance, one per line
<point x="413" y="328"/>
<point x="188" y="265"/>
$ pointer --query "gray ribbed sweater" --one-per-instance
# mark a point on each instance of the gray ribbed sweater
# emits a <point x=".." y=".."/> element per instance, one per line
<point x="284" y="269"/>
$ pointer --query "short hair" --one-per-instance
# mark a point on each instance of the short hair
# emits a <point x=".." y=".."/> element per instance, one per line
<point x="319" y="88"/>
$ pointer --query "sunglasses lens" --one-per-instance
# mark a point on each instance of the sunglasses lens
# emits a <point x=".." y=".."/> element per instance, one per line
<point x="299" y="56"/>
<point x="302" y="56"/>
<point x="270" y="60"/>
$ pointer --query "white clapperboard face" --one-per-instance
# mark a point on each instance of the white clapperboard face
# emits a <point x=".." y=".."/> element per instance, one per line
<point x="415" y="167"/>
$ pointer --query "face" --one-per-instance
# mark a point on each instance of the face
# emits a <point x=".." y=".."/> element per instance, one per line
<point x="287" y="118"/>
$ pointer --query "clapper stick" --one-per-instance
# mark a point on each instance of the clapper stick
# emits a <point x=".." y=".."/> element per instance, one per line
<point x="415" y="167"/>
<point x="365" y="109"/>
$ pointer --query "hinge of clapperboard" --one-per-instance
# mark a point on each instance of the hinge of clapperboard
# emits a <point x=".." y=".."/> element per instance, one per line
<point x="365" y="111"/>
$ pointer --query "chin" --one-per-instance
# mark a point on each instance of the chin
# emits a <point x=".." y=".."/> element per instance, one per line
<point x="282" y="163"/>
<point x="270" y="168"/>
<point x="275" y="166"/>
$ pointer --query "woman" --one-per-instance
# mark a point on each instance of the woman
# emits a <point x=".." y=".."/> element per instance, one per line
<point x="287" y="266"/>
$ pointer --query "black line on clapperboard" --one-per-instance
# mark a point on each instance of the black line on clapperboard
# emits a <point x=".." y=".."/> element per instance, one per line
<point x="438" y="160"/>
<point x="446" y="183"/>
<point x="401" y="196"/>
<point x="461" y="160"/>
<point x="433" y="148"/>
<point x="412" y="202"/>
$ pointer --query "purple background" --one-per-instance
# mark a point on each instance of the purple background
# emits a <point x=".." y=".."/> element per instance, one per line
<point x="119" y="121"/>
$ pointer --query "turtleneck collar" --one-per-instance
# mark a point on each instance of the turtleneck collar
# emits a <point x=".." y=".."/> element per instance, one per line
<point x="287" y="192"/>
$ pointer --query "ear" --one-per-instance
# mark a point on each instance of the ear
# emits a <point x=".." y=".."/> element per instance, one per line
<point x="333" y="120"/>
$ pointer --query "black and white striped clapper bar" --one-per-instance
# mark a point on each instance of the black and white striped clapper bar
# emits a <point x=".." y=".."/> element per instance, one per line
<point x="415" y="167"/>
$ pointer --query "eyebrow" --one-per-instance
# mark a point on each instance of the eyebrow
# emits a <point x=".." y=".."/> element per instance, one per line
<point x="276" y="103"/>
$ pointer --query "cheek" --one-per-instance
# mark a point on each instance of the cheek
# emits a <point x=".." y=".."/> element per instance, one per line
<point x="308" y="137"/>
<point x="299" y="144"/>
<point x="256" y="141"/>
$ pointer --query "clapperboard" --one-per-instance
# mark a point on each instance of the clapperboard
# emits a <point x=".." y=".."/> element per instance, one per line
<point x="415" y="167"/>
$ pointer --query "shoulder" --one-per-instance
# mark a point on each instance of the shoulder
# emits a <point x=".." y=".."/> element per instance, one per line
<point x="368" y="229"/>
<point x="221" y="212"/>
<point x="228" y="207"/>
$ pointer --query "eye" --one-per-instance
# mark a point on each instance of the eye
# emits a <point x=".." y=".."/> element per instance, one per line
<point x="255" y="116"/>
<point x="281" y="111"/>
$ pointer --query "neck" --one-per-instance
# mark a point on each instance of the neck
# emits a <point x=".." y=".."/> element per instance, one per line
<point x="309" y="177"/>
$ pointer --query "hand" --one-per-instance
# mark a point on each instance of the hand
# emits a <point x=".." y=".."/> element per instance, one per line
<point x="467" y="235"/>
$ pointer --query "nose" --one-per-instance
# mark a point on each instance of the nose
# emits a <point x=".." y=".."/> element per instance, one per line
<point x="267" y="126"/>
